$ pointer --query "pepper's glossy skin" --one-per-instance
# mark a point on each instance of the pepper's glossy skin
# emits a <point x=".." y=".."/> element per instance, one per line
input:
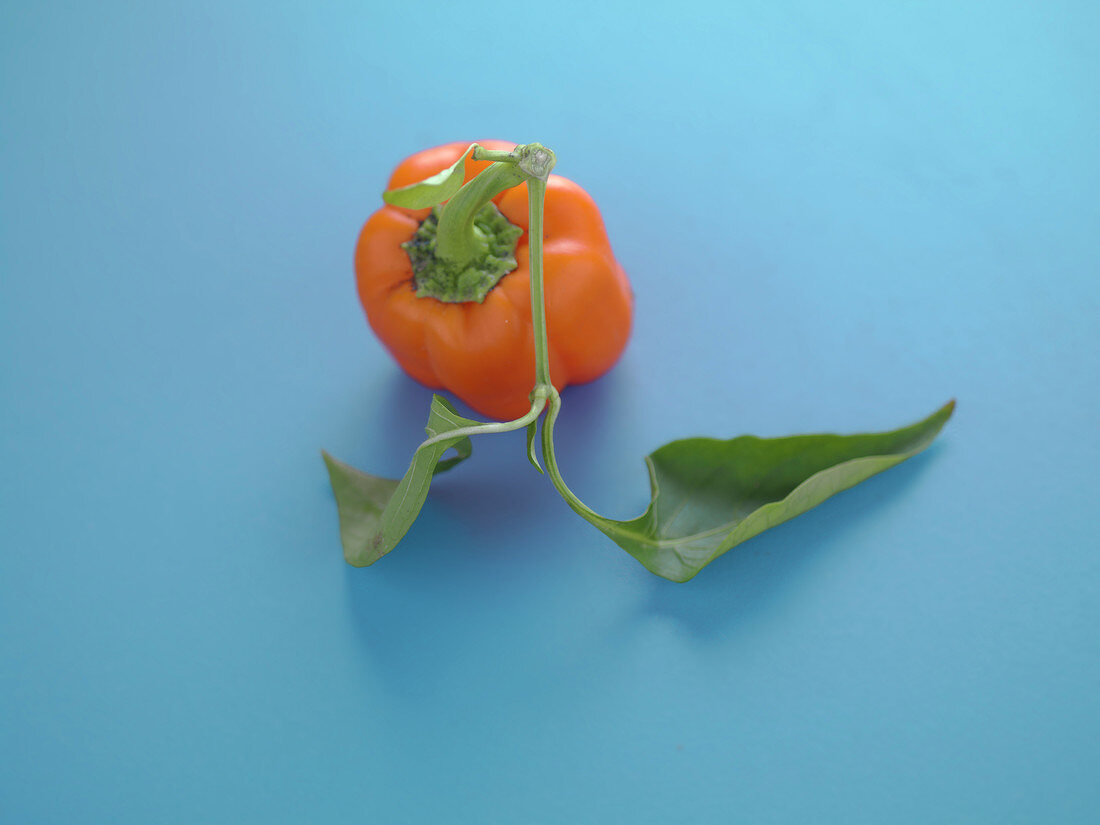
<point x="485" y="353"/>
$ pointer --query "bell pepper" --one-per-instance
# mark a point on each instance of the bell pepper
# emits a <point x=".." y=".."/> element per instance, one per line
<point x="447" y="290"/>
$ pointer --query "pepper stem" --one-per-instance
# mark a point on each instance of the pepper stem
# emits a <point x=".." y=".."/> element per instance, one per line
<point x="458" y="241"/>
<point x="453" y="241"/>
<point x="536" y="198"/>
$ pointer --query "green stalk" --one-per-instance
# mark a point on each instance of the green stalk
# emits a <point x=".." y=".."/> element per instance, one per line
<point x="531" y="163"/>
<point x="551" y="460"/>
<point x="538" y="402"/>
<point x="458" y="241"/>
<point x="536" y="198"/>
<point x="502" y="155"/>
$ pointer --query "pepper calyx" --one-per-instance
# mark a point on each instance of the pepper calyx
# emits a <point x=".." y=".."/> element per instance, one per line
<point x="495" y="239"/>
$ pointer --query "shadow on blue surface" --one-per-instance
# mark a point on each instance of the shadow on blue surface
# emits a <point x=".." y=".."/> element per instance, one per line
<point x="398" y="412"/>
<point x="485" y="544"/>
<point x="589" y="411"/>
<point x="449" y="550"/>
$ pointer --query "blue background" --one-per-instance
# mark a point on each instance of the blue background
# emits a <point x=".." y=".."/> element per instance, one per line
<point x="835" y="217"/>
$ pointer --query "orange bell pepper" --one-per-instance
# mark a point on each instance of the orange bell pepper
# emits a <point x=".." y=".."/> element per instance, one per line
<point x="483" y="350"/>
<point x="450" y="292"/>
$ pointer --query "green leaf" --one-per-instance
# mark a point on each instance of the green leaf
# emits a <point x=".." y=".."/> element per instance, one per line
<point x="375" y="513"/>
<point x="710" y="495"/>
<point x="432" y="191"/>
<point x="532" y="430"/>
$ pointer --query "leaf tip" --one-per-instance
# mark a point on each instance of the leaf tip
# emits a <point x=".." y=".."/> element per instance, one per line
<point x="532" y="429"/>
<point x="944" y="413"/>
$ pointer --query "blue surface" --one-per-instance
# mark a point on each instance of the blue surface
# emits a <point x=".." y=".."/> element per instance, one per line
<point x="835" y="217"/>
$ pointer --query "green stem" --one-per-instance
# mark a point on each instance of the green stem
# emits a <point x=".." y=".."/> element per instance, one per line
<point x="531" y="163"/>
<point x="458" y="241"/>
<point x="538" y="401"/>
<point x="543" y="160"/>
<point x="502" y="155"/>
<point x="552" y="461"/>
<point x="536" y="198"/>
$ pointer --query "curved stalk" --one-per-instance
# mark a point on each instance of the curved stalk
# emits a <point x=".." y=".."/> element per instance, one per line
<point x="457" y="239"/>
<point x="552" y="461"/>
<point x="538" y="401"/>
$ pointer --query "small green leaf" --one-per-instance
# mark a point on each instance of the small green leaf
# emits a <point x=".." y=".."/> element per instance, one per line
<point x="710" y="495"/>
<point x="432" y="191"/>
<point x="375" y="513"/>
<point x="532" y="431"/>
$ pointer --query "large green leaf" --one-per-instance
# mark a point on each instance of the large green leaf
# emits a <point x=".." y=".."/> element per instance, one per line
<point x="375" y="513"/>
<point x="710" y="495"/>
<point x="440" y="187"/>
